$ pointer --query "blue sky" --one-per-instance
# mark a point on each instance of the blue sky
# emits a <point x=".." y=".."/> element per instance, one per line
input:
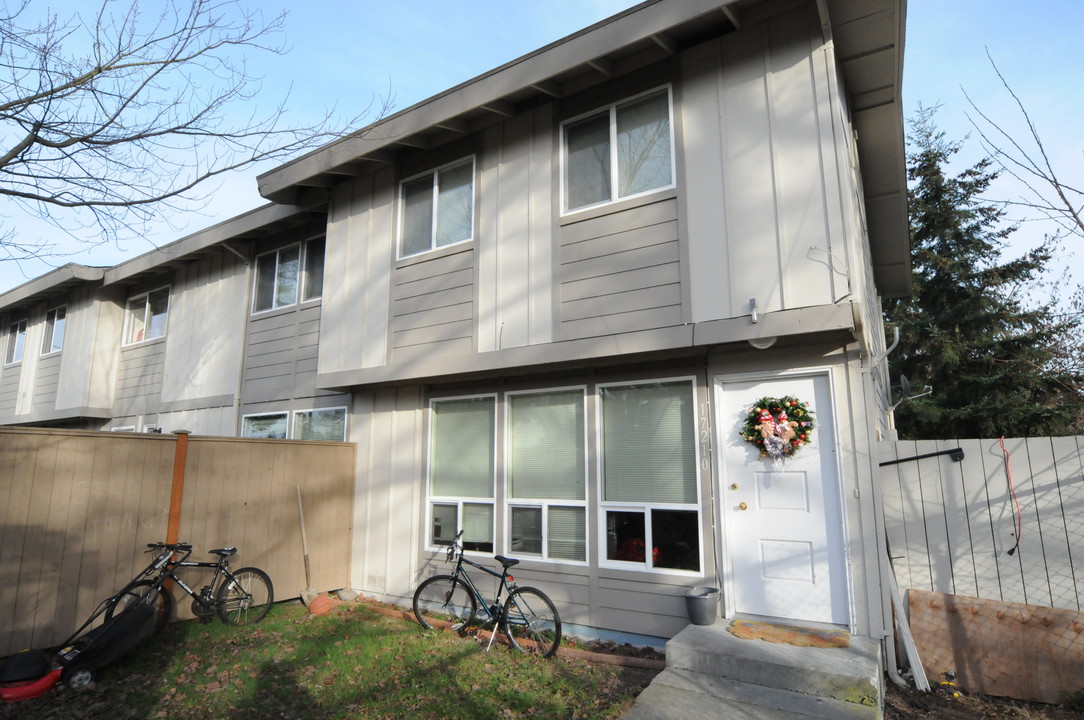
<point x="344" y="52"/>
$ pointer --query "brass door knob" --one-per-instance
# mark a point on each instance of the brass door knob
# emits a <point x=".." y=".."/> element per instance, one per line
<point x="743" y="506"/>
<point x="734" y="486"/>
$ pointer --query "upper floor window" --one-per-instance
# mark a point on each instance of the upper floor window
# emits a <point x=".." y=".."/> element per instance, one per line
<point x="147" y="316"/>
<point x="621" y="151"/>
<point x="53" y="341"/>
<point x="284" y="275"/>
<point x="16" y="342"/>
<point x="437" y="208"/>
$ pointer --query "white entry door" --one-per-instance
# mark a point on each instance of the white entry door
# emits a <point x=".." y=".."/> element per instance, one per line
<point x="782" y="517"/>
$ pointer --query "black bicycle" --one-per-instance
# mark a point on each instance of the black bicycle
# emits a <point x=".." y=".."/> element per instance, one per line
<point x="527" y="616"/>
<point x="243" y="597"/>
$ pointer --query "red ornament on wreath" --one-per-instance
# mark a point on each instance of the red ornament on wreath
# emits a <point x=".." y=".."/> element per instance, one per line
<point x="779" y="427"/>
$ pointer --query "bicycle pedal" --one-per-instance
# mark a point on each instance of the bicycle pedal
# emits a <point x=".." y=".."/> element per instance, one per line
<point x="204" y="619"/>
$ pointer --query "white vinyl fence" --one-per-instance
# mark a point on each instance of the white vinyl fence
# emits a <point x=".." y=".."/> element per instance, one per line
<point x="998" y="524"/>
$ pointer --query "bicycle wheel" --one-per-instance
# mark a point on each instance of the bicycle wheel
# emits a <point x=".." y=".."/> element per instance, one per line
<point x="531" y="622"/>
<point x="245" y="598"/>
<point x="140" y="592"/>
<point x="444" y="598"/>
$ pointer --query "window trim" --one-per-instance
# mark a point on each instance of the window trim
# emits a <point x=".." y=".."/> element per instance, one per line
<point x="611" y="110"/>
<point x="603" y="506"/>
<point x="302" y="276"/>
<point x="15" y="330"/>
<point x="544" y="504"/>
<point x="49" y="331"/>
<point x="431" y="499"/>
<point x="435" y="172"/>
<point x="128" y="315"/>
<point x="291" y="425"/>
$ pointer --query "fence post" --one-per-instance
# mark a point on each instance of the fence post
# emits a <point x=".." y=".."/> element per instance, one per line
<point x="180" y="457"/>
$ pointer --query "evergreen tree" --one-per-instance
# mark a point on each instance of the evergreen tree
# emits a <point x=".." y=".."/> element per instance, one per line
<point x="965" y="330"/>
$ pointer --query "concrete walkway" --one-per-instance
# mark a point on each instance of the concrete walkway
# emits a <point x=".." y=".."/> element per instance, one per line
<point x="711" y="673"/>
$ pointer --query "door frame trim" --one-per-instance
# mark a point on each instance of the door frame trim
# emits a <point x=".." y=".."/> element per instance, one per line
<point x="723" y="533"/>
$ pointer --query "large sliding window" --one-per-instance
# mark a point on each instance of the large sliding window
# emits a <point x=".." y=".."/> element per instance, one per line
<point x="462" y="471"/>
<point x="617" y="152"/>
<point x="650" y="501"/>
<point x="327" y="424"/>
<point x="288" y="274"/>
<point x="546" y="474"/>
<point x="437" y="208"/>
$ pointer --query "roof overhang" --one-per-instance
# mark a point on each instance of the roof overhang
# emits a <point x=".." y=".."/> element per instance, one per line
<point x="868" y="40"/>
<point x="54" y="283"/>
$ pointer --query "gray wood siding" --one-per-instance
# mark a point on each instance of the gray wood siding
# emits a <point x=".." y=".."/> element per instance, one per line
<point x="432" y="309"/>
<point x="280" y="354"/>
<point x="620" y="272"/>
<point x="758" y="104"/>
<point x="45" y="383"/>
<point x="205" y="340"/>
<point x="139" y="378"/>
<point x="9" y="388"/>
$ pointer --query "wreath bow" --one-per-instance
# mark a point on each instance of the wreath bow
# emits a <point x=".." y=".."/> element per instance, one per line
<point x="779" y="427"/>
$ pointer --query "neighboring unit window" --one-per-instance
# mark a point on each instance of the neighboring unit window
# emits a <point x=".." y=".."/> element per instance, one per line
<point x="462" y="471"/>
<point x="649" y="475"/>
<point x="546" y="466"/>
<point x="147" y="315"/>
<point x="437" y="209"/>
<point x="280" y="275"/>
<point x="324" y="424"/>
<point x="54" y="330"/>
<point x="269" y="425"/>
<point x="618" y="152"/>
<point x="16" y="342"/>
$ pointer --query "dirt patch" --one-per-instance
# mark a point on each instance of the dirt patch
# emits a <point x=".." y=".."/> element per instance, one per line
<point x="948" y="703"/>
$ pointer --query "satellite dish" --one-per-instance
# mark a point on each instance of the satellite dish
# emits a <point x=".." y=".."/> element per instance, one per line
<point x="905" y="386"/>
<point x="905" y="392"/>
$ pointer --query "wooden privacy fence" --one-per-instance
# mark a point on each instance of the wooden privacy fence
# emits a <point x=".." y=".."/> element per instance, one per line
<point x="963" y="528"/>
<point x="78" y="508"/>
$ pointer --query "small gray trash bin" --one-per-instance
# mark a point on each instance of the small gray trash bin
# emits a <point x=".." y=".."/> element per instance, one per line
<point x="701" y="602"/>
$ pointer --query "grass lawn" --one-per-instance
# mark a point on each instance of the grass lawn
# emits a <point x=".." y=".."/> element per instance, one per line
<point x="351" y="663"/>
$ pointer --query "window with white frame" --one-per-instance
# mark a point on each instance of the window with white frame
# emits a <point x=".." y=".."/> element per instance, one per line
<point x="16" y="342"/>
<point x="265" y="425"/>
<point x="289" y="273"/>
<point x="321" y="424"/>
<point x="53" y="340"/>
<point x="146" y="316"/>
<point x="546" y="474"/>
<point x="617" y="152"/>
<point x="462" y="471"/>
<point x="437" y="208"/>
<point x="650" y="512"/>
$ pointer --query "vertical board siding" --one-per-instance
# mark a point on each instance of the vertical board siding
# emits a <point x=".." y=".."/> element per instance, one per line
<point x="78" y="508"/>
<point x="620" y="272"/>
<point x="951" y="526"/>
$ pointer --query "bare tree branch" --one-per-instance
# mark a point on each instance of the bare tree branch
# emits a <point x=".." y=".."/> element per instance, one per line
<point x="106" y="121"/>
<point x="1029" y="163"/>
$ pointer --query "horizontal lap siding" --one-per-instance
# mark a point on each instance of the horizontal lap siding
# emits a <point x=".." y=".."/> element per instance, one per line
<point x="621" y="272"/>
<point x="9" y="388"/>
<point x="139" y="377"/>
<point x="280" y="357"/>
<point x="432" y="308"/>
<point x="45" y="385"/>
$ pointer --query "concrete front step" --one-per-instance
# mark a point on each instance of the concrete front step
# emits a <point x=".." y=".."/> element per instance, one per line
<point x="851" y="674"/>
<point x="686" y="695"/>
<point x="712" y="673"/>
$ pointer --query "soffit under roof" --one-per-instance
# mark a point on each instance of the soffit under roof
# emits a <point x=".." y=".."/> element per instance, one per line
<point x="867" y="36"/>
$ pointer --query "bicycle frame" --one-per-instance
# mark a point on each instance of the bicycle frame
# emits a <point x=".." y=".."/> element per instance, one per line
<point x="506" y="583"/>
<point x="165" y="565"/>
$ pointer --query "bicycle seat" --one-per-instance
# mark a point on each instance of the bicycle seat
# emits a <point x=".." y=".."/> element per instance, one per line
<point x="224" y="552"/>
<point x="506" y="562"/>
